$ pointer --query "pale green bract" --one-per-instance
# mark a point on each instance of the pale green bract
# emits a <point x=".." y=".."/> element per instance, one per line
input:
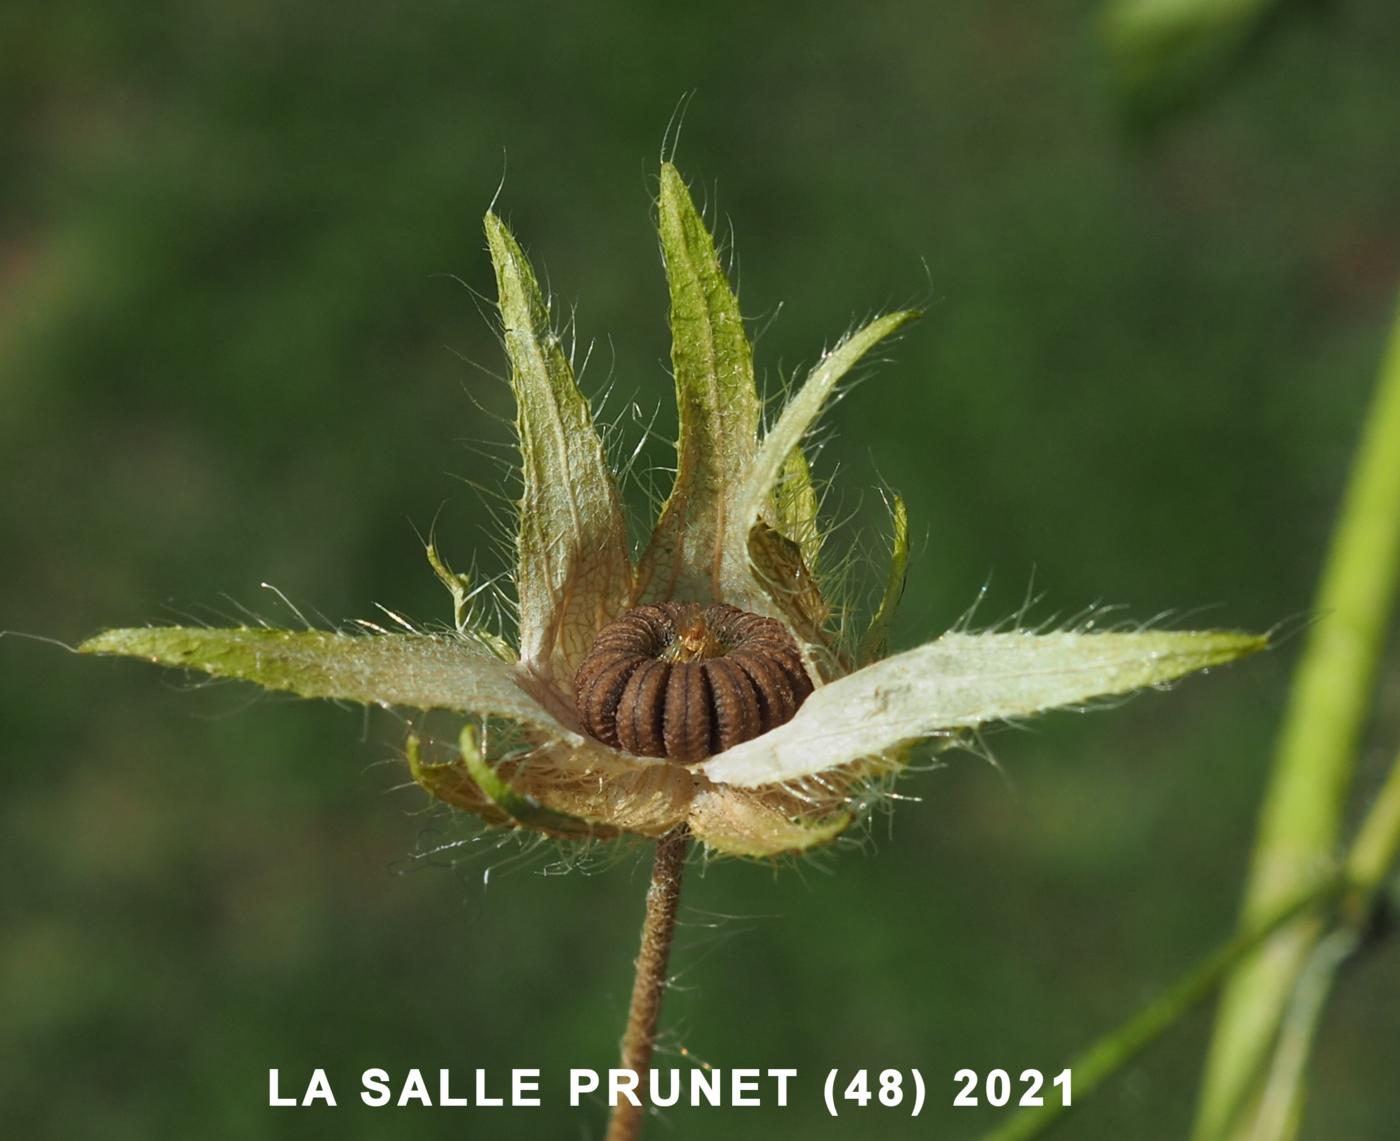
<point x="741" y="526"/>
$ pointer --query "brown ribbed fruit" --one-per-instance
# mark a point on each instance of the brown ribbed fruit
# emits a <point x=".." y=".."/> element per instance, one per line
<point x="686" y="681"/>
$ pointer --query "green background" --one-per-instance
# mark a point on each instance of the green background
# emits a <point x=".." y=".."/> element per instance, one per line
<point x="241" y="341"/>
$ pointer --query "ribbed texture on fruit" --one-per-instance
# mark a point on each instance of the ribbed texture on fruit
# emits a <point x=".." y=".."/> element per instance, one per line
<point x="686" y="681"/>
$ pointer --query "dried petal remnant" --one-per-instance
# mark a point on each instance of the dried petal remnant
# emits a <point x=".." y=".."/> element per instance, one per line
<point x="685" y="681"/>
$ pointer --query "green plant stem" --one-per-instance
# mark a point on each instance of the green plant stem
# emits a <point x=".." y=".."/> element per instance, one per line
<point x="1280" y="1103"/>
<point x="1301" y="817"/>
<point x="649" y="984"/>
<point x="1120" y="1047"/>
<point x="1369" y="863"/>
<point x="1377" y="847"/>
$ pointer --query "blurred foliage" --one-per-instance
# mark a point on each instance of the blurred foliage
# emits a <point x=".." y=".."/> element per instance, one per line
<point x="240" y="342"/>
<point x="1168" y="52"/>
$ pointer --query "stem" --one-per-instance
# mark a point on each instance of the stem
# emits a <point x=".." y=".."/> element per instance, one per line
<point x="1368" y="865"/>
<point x="1301" y="817"/>
<point x="1376" y="849"/>
<point x="1281" y="1097"/>
<point x="658" y="928"/>
<point x="1112" y="1053"/>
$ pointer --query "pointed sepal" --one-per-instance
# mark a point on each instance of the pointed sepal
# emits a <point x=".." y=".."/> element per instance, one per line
<point x="962" y="681"/>
<point x="420" y="671"/>
<point x="717" y="405"/>
<point x="800" y="414"/>
<point x="574" y="573"/>
<point x="876" y="639"/>
<point x="450" y="782"/>
<point x="522" y="809"/>
<point x="795" y="509"/>
<point x="765" y="563"/>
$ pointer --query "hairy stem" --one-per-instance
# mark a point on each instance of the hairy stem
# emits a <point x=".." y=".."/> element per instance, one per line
<point x="1301" y="818"/>
<point x="639" y="1039"/>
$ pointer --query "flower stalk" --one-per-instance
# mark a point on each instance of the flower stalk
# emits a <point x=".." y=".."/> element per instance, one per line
<point x="649" y="983"/>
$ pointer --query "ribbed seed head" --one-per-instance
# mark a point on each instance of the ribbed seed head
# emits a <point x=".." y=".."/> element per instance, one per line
<point x="686" y="681"/>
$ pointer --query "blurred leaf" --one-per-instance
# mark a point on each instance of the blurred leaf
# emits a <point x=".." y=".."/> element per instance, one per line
<point x="1166" y="51"/>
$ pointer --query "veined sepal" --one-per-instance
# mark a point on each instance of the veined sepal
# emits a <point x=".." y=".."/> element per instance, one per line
<point x="717" y="407"/>
<point x="757" y="824"/>
<point x="419" y="671"/>
<point x="573" y="570"/>
<point x="521" y="809"/>
<point x="876" y="640"/>
<point x="962" y="681"/>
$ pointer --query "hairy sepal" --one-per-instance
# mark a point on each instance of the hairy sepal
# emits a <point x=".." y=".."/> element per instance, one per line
<point x="795" y="507"/>
<point x="450" y="782"/>
<point x="772" y="467"/>
<point x="766" y="562"/>
<point x="591" y="782"/>
<point x="740" y="822"/>
<point x="717" y="405"/>
<point x="522" y="809"/>
<point x="779" y="571"/>
<point x="962" y="681"/>
<point x="420" y="671"/>
<point x="574" y="574"/>
<point x="876" y="639"/>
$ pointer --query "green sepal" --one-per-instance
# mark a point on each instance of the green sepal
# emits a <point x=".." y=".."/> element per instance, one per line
<point x="778" y="567"/>
<point x="795" y="508"/>
<point x="876" y="640"/>
<point x="523" y="810"/>
<point x="450" y="782"/>
<point x="717" y="405"/>
<point x="574" y="572"/>
<point x="774" y="468"/>
<point x="421" y="671"/>
<point x="460" y="586"/>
